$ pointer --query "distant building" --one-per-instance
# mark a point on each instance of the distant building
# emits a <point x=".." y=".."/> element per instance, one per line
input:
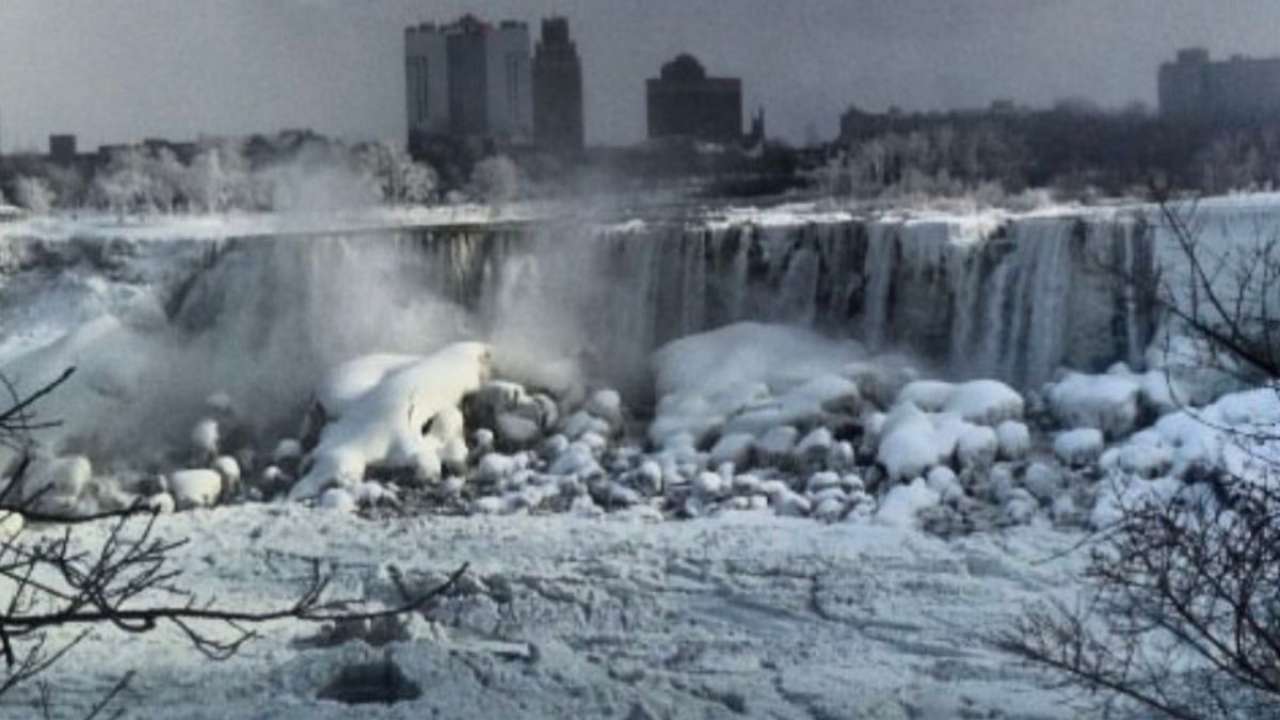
<point x="1239" y="90"/>
<point x="62" y="149"/>
<point x="469" y="79"/>
<point x="557" y="89"/>
<point x="683" y="101"/>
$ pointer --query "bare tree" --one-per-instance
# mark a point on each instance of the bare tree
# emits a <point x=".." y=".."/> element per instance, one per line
<point x="1180" y="612"/>
<point x="53" y="580"/>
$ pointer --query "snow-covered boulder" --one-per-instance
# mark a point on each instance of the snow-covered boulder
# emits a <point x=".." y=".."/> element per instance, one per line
<point x="57" y="481"/>
<point x="205" y="438"/>
<point x="227" y="467"/>
<point x="1078" y="448"/>
<point x="195" y="488"/>
<point x="910" y="444"/>
<point x="985" y="402"/>
<point x="11" y="524"/>
<point x="734" y="448"/>
<point x="928" y="395"/>
<point x="903" y="503"/>
<point x="1043" y="481"/>
<point x="978" y="447"/>
<point x="777" y="445"/>
<point x="1109" y="403"/>
<point x="386" y="419"/>
<point x="338" y="499"/>
<point x="1015" y="440"/>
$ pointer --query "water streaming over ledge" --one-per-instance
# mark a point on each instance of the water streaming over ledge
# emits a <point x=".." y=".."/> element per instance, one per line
<point x="1013" y="300"/>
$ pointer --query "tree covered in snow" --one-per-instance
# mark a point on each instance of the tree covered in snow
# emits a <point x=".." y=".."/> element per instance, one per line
<point x="400" y="179"/>
<point x="495" y="180"/>
<point x="34" y="194"/>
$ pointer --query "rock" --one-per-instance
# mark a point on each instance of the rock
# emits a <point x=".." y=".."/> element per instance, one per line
<point x="195" y="488"/>
<point x="829" y="509"/>
<point x="1109" y="403"/>
<point x="517" y="430"/>
<point x="11" y="523"/>
<point x="709" y="486"/>
<point x="491" y="505"/>
<point x="338" y="499"/>
<point x="1147" y="460"/>
<point x="978" y="446"/>
<point x="1044" y="482"/>
<point x="777" y="445"/>
<point x="791" y="504"/>
<point x="161" y="503"/>
<point x="227" y="467"/>
<point x="747" y="484"/>
<point x="1078" y="448"/>
<point x="943" y="481"/>
<point x="985" y="402"/>
<point x="1014" y="439"/>
<point x="287" y="450"/>
<point x="64" y="478"/>
<point x="928" y="395"/>
<point x="496" y="467"/>
<point x="735" y="448"/>
<point x="205" y="437"/>
<point x="816" y="446"/>
<point x="606" y="405"/>
<point x="649" y="478"/>
<point x="1019" y="508"/>
<point x="821" y="481"/>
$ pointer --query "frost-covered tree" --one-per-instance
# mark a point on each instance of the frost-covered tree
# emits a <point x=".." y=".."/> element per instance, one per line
<point x="34" y="194"/>
<point x="495" y="180"/>
<point x="401" y="180"/>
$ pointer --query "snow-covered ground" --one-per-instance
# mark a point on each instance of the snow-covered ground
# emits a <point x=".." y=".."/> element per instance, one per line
<point x="741" y="616"/>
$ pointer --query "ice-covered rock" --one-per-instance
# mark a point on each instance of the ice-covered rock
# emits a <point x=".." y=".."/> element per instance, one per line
<point x="735" y="448"/>
<point x="58" y="479"/>
<point x="195" y="488"/>
<point x="287" y="450"/>
<point x="928" y="395"/>
<point x="910" y="444"/>
<point x="978" y="447"/>
<point x="161" y="504"/>
<point x="777" y="445"/>
<point x="606" y="405"/>
<point x="1015" y="440"/>
<point x="338" y="499"/>
<point x="710" y="485"/>
<point x="11" y="524"/>
<point x="1105" y="402"/>
<point x="386" y="419"/>
<point x="205" y="437"/>
<point x="1043" y="481"/>
<point x="1078" y="448"/>
<point x="903" y="503"/>
<point x="943" y="481"/>
<point x="227" y="467"/>
<point x="985" y="402"/>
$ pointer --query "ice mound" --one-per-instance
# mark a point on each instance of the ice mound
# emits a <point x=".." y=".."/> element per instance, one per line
<point x="391" y="413"/>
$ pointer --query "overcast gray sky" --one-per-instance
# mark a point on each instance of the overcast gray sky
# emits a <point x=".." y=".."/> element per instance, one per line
<point x="118" y="70"/>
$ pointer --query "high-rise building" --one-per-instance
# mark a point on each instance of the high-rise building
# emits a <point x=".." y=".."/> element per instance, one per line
<point x="1241" y="89"/>
<point x="469" y="79"/>
<point x="685" y="102"/>
<point x="557" y="82"/>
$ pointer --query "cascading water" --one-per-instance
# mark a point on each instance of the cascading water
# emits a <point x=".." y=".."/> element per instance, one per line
<point x="262" y="317"/>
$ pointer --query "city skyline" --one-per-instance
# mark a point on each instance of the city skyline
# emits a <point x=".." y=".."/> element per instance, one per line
<point x="122" y="70"/>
